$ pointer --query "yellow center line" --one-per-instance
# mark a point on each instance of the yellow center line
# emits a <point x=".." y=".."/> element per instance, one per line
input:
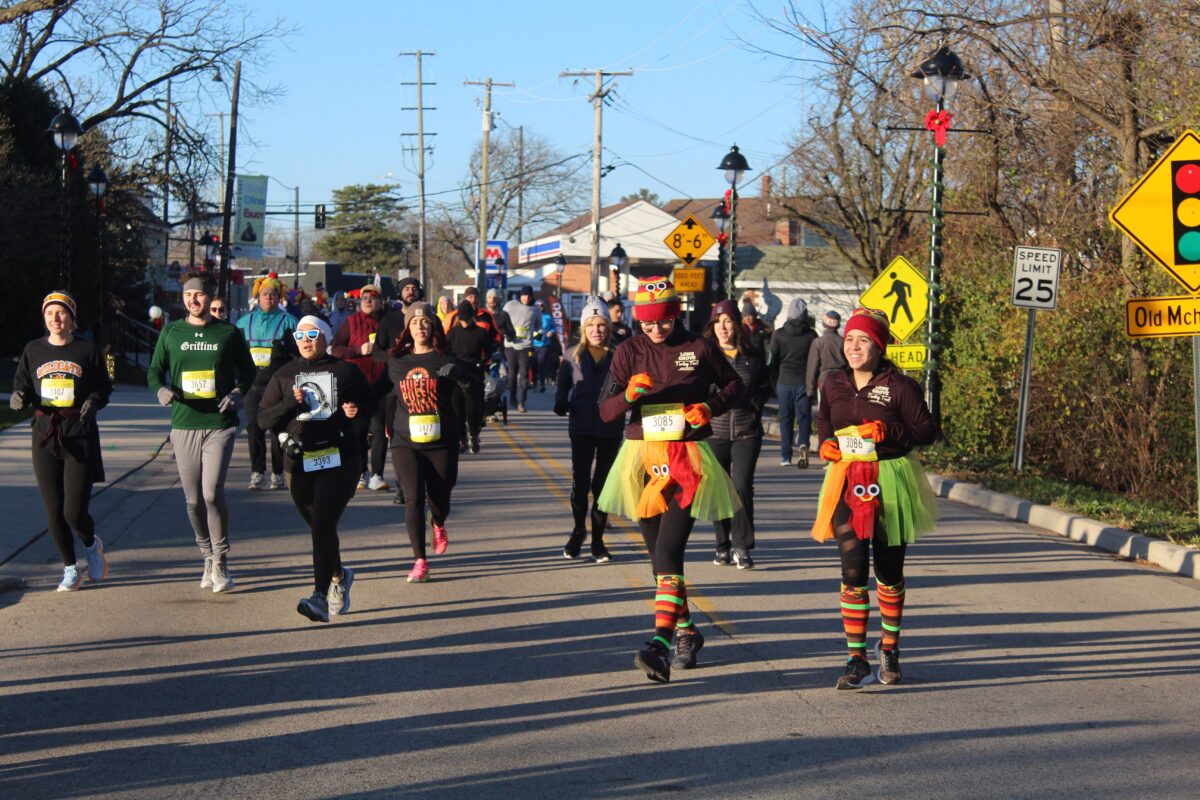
<point x="513" y="430"/>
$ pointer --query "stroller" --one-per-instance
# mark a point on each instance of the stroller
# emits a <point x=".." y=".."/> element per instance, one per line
<point x="495" y="392"/>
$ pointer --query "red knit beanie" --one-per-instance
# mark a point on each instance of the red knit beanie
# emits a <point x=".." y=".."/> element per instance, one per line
<point x="871" y="322"/>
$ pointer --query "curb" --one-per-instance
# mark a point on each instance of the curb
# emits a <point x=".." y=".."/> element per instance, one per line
<point x="1134" y="546"/>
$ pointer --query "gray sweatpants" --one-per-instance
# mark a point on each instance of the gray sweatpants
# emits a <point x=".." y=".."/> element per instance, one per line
<point x="203" y="458"/>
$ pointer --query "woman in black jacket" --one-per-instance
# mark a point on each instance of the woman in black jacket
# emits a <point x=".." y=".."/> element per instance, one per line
<point x="314" y="399"/>
<point x="593" y="441"/>
<point x="738" y="433"/>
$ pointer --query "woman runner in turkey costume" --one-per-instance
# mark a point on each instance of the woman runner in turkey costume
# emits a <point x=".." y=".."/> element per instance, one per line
<point x="874" y="496"/>
<point x="672" y="382"/>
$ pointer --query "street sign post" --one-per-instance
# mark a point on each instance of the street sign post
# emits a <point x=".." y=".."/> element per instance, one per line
<point x="891" y="292"/>
<point x="689" y="280"/>
<point x="1035" y="285"/>
<point x="689" y="241"/>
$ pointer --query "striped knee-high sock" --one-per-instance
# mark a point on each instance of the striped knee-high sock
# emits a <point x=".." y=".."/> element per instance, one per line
<point x="856" y="610"/>
<point x="670" y="604"/>
<point x="891" y="609"/>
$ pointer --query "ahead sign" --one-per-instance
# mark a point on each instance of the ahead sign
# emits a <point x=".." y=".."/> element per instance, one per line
<point x="1035" y="277"/>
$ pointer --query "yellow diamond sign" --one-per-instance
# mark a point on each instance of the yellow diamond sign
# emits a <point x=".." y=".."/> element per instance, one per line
<point x="902" y="293"/>
<point x="689" y="240"/>
<point x="1162" y="211"/>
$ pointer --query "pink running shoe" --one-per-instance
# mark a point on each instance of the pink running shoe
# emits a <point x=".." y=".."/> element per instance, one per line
<point x="440" y="540"/>
<point x="420" y="572"/>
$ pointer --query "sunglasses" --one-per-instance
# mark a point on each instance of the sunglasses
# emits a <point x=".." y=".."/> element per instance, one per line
<point x="218" y="309"/>
<point x="300" y="336"/>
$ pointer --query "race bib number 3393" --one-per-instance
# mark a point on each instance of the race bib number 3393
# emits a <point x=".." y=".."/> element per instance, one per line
<point x="317" y="460"/>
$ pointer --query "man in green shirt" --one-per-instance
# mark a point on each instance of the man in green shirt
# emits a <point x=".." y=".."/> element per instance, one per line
<point x="202" y="368"/>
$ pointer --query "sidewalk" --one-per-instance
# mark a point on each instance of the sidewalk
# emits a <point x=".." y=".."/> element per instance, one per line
<point x="133" y="430"/>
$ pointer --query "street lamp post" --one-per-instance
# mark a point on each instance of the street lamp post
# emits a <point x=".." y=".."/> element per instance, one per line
<point x="735" y="166"/>
<point x="618" y="259"/>
<point x="560" y="266"/>
<point x="97" y="186"/>
<point x="720" y="216"/>
<point x="66" y="131"/>
<point x="940" y="75"/>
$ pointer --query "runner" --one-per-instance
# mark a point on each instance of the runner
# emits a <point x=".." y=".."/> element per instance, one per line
<point x="202" y="367"/>
<point x="66" y="382"/>
<point x="518" y="347"/>
<point x="473" y="348"/>
<point x="317" y="398"/>
<point x="619" y="331"/>
<point x="390" y="328"/>
<point x="355" y="342"/>
<point x="738" y="433"/>
<point x="593" y="441"/>
<point x="219" y="310"/>
<point x="424" y="442"/>
<point x="874" y="497"/>
<point x="665" y="477"/>
<point x="262" y="327"/>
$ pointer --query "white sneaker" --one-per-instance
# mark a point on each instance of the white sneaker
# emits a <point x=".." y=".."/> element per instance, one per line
<point x="783" y="462"/>
<point x="256" y="481"/>
<point x="221" y="580"/>
<point x="96" y="560"/>
<point x="206" y="578"/>
<point x="72" y="577"/>
<point x="362" y="481"/>
<point x="277" y="481"/>
<point x="378" y="484"/>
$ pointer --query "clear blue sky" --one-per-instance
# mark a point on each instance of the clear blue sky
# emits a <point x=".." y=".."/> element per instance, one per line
<point x="696" y="89"/>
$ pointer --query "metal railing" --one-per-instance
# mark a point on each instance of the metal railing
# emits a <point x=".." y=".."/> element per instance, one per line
<point x="133" y="341"/>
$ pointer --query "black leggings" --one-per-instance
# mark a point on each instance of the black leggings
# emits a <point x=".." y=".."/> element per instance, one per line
<point x="585" y="450"/>
<point x="372" y="429"/>
<point x="321" y="497"/>
<point x="855" y="552"/>
<point x="421" y="474"/>
<point x="518" y="374"/>
<point x="254" y="436"/>
<point x="468" y="404"/>
<point x="738" y="457"/>
<point x="666" y="535"/>
<point x="66" y="487"/>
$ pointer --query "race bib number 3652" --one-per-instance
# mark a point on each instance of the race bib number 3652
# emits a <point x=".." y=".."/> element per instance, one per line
<point x="662" y="422"/>
<point x="199" y="385"/>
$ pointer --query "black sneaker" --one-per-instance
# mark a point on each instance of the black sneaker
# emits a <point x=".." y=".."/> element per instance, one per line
<point x="687" y="645"/>
<point x="741" y="557"/>
<point x="571" y="549"/>
<point x="398" y="500"/>
<point x="802" y="457"/>
<point x="889" y="666"/>
<point x="600" y="553"/>
<point x="856" y="675"/>
<point x="721" y="558"/>
<point x="652" y="659"/>
<point x="473" y="442"/>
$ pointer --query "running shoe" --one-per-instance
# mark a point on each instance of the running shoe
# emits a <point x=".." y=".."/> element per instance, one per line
<point x="96" y="560"/>
<point x="206" y="578"/>
<point x="377" y="483"/>
<point x="338" y="596"/>
<point x="398" y="500"/>
<point x="856" y="675"/>
<point x="652" y="659"/>
<point x="277" y="481"/>
<point x="473" y="441"/>
<point x="256" y="481"/>
<point x="721" y="558"/>
<point x="889" y="666"/>
<point x="441" y="540"/>
<point x="315" y="607"/>
<point x="420" y="572"/>
<point x="574" y="544"/>
<point x="521" y="408"/>
<point x="600" y="553"/>
<point x="802" y="457"/>
<point x="72" y="577"/>
<point x="785" y="462"/>
<point x="221" y="580"/>
<point x="741" y="557"/>
<point x="362" y="481"/>
<point x="687" y="645"/>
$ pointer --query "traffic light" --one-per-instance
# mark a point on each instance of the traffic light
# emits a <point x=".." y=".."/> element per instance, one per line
<point x="1185" y="200"/>
<point x="319" y="216"/>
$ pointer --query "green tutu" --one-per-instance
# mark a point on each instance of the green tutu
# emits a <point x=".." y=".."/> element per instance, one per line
<point x="908" y="506"/>
<point x="715" y="498"/>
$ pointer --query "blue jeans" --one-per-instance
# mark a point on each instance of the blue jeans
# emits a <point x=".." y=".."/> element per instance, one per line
<point x="793" y="407"/>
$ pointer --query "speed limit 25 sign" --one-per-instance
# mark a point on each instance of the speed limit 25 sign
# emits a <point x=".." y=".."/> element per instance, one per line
<point x="1035" y="277"/>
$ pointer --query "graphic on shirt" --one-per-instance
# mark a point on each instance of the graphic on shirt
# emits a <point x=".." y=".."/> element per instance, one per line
<point x="320" y="395"/>
<point x="687" y="361"/>
<point x="880" y="395"/>
<point x="60" y="368"/>
<point x="418" y="390"/>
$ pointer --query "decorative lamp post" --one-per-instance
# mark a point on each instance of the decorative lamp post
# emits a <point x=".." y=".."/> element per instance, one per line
<point x="501" y="278"/>
<point x="66" y="131"/>
<point x="940" y="75"/>
<point x="720" y="217"/>
<point x="560" y="265"/>
<point x="618" y="259"/>
<point x="735" y="167"/>
<point x="97" y="183"/>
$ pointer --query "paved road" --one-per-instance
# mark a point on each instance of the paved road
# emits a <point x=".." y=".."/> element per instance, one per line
<point x="1034" y="667"/>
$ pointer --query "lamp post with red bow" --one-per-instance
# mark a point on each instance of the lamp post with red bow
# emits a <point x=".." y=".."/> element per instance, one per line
<point x="939" y="75"/>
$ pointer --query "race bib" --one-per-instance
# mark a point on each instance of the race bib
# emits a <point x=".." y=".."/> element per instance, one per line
<point x="199" y="385"/>
<point x="318" y="460"/>
<point x="663" y="422"/>
<point x="58" y="392"/>
<point x="425" y="428"/>
<point x="521" y="331"/>
<point x="261" y="356"/>
<point x="855" y="447"/>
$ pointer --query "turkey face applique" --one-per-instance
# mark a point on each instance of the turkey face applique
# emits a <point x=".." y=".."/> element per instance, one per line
<point x="862" y="497"/>
<point x="656" y="461"/>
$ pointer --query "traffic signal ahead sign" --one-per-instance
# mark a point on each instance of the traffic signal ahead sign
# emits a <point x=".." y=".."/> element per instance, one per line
<point x="903" y="294"/>
<point x="1161" y="213"/>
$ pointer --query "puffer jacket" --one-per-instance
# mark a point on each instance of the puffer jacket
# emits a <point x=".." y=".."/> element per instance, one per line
<point x="744" y="420"/>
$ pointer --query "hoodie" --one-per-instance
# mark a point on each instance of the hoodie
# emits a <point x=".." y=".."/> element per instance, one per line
<point x="790" y="345"/>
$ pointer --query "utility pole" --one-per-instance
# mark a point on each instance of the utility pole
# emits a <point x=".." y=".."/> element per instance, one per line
<point x="296" y="233"/>
<point x="481" y="253"/>
<point x="220" y="115"/>
<point x="420" y="109"/>
<point x="520" y="188"/>
<point x="597" y="99"/>
<point x="167" y="187"/>
<point x="227" y="203"/>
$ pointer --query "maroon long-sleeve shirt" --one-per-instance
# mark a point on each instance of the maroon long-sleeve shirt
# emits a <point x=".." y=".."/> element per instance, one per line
<point x="890" y="397"/>
<point x="685" y="368"/>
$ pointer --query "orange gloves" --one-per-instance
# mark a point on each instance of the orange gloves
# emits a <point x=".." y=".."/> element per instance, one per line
<point x="638" y="385"/>
<point x="874" y="430"/>
<point x="697" y="414"/>
<point x="830" y="450"/>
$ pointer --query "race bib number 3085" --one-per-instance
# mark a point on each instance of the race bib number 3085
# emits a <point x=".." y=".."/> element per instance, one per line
<point x="663" y="422"/>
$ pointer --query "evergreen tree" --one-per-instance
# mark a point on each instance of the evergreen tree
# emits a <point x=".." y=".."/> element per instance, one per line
<point x="364" y="229"/>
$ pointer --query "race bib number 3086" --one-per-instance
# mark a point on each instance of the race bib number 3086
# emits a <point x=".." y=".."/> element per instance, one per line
<point x="854" y="447"/>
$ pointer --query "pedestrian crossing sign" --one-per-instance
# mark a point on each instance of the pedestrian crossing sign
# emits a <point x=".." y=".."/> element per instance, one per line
<point x="901" y="292"/>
